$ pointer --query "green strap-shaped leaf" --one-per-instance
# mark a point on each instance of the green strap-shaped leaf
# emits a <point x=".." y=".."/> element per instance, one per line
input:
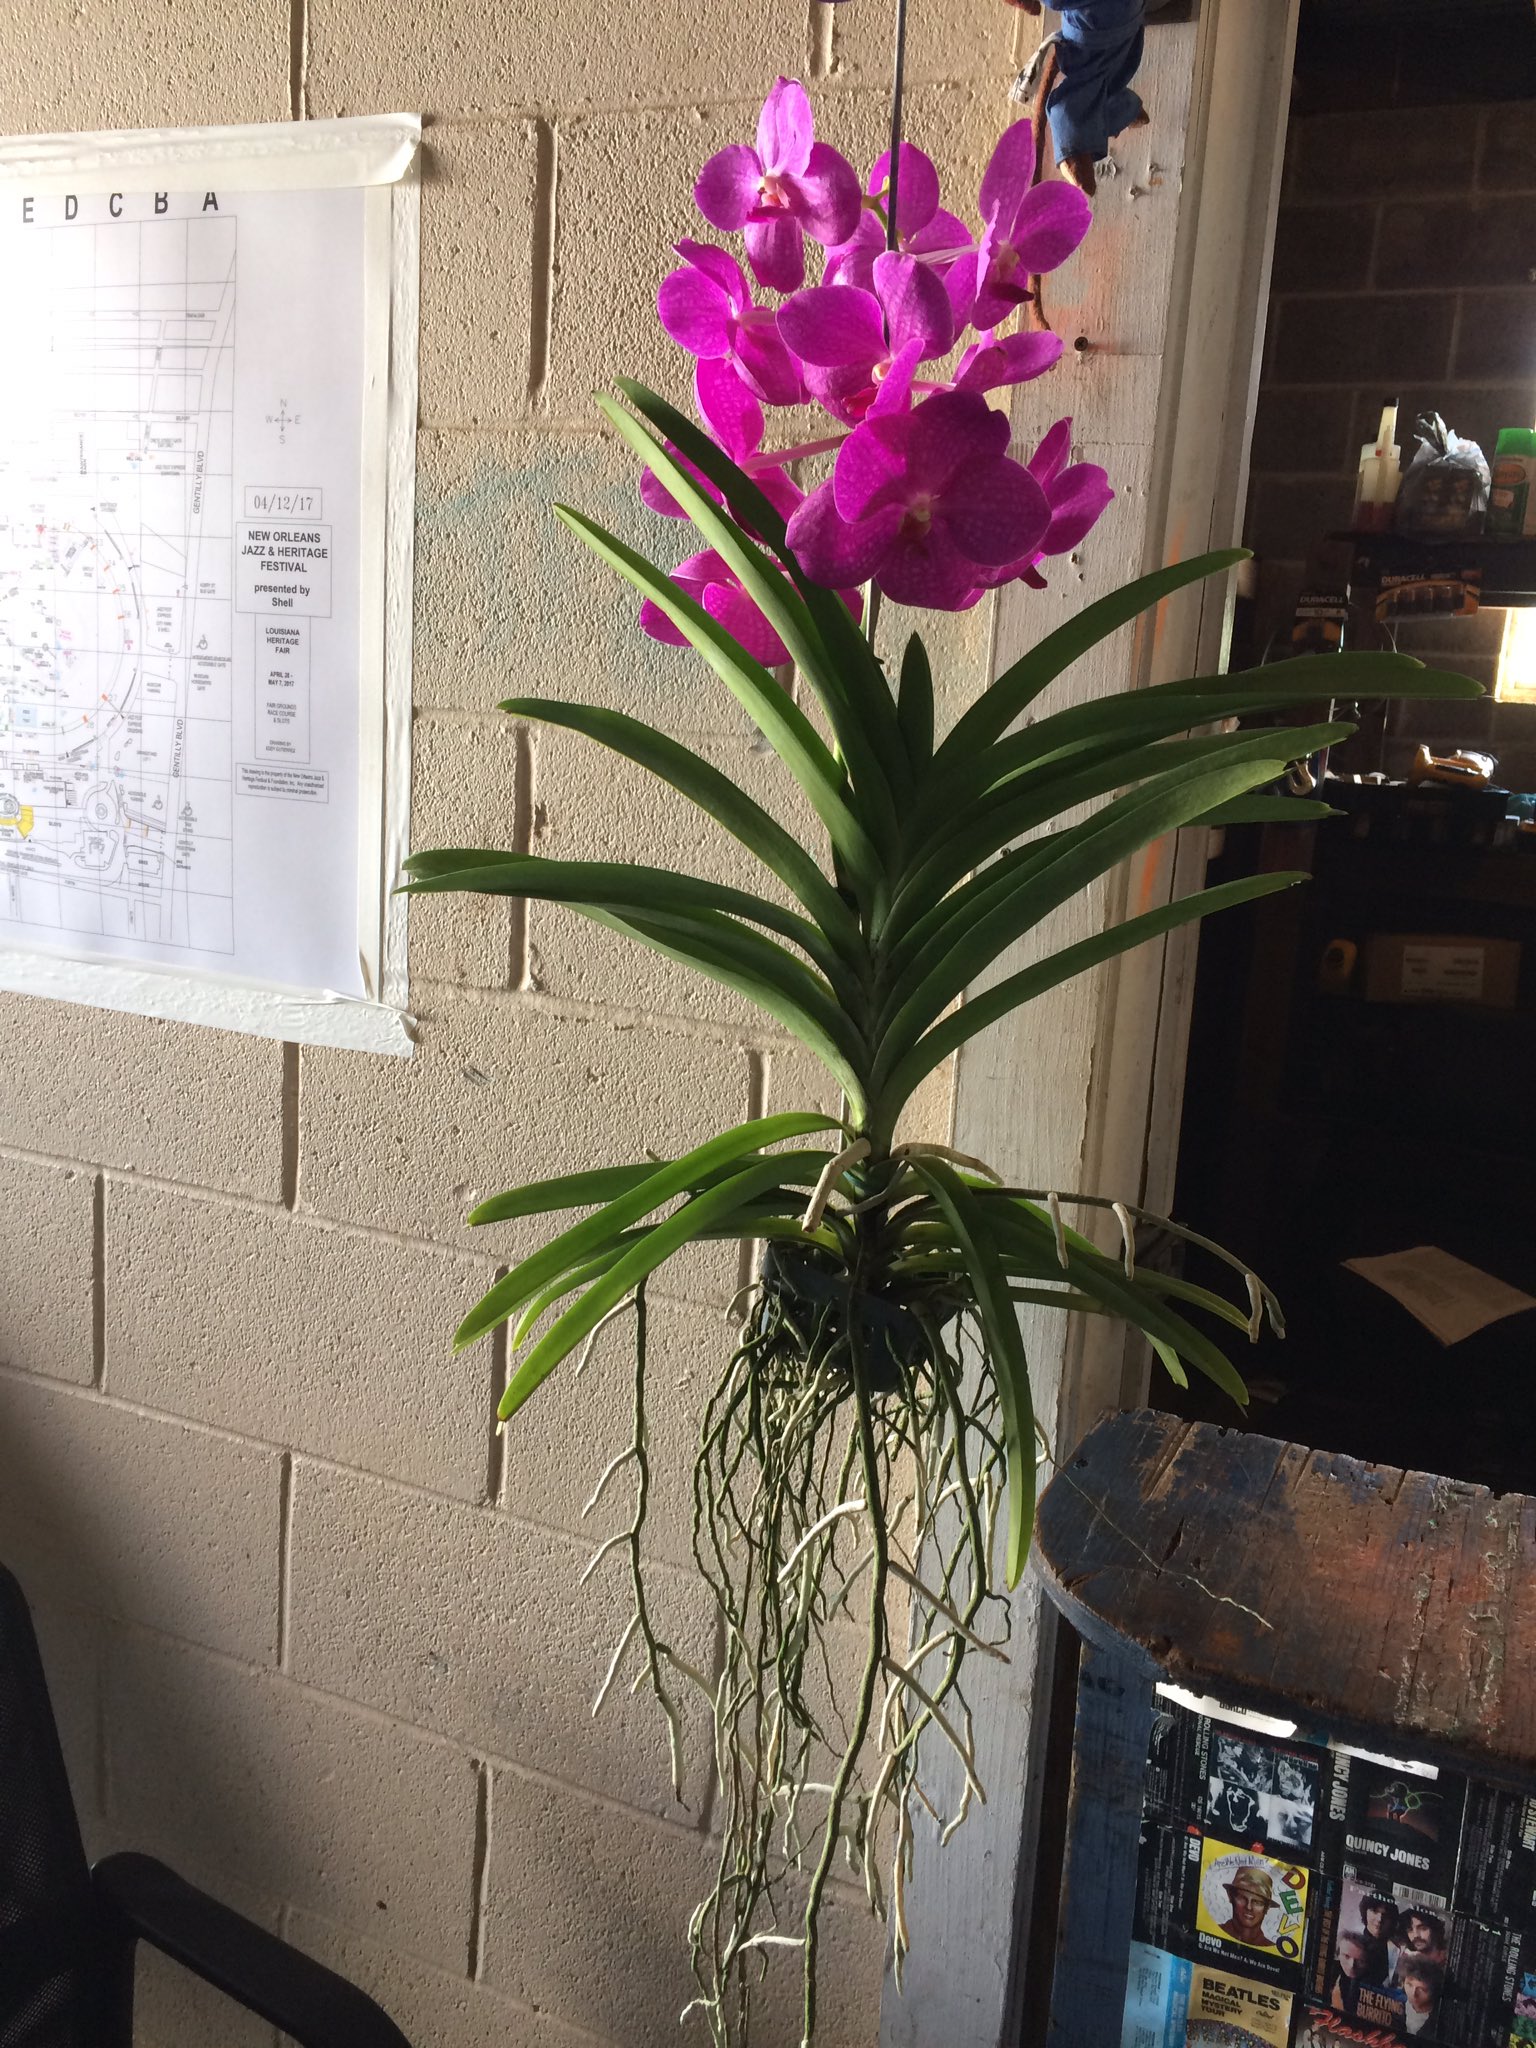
<point x="762" y="972"/>
<point x="1037" y="800"/>
<point x="615" y="884"/>
<point x="1005" y="1342"/>
<point x="1268" y="810"/>
<point x="565" y="1191"/>
<point x="1162" y="805"/>
<point x="848" y="681"/>
<point x="717" y="796"/>
<point x="914" y="706"/>
<point x="593" y="1234"/>
<point x="637" y="1264"/>
<point x="770" y="707"/>
<point x="1168" y="708"/>
<point x="1017" y="687"/>
<point x="784" y="609"/>
<point x="1028" y="1245"/>
<point x="992" y="1004"/>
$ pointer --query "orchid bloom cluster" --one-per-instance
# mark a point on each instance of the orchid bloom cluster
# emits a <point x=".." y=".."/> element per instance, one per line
<point x="924" y="499"/>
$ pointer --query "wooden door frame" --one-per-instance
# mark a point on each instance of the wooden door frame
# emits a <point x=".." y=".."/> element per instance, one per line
<point x="1125" y="1030"/>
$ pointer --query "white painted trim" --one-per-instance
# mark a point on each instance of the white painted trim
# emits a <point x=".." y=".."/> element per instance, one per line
<point x="265" y="156"/>
<point x="1069" y="1093"/>
<point x="321" y="1017"/>
<point x="380" y="153"/>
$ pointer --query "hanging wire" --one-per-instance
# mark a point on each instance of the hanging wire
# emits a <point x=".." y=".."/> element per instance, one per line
<point x="898" y="88"/>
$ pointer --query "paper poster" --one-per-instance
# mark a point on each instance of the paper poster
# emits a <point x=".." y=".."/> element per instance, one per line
<point x="187" y="576"/>
<point x="1450" y="1298"/>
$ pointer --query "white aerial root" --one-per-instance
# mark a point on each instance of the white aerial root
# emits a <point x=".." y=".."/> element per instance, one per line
<point x="844" y="1507"/>
<point x="831" y="1174"/>
<point x="614" y="1466"/>
<point x="1053" y="1203"/>
<point x="618" y="1657"/>
<point x="612" y="1316"/>
<point x="1255" y="1307"/>
<point x="926" y="1593"/>
<point x="966" y="1159"/>
<point x="1127" y="1237"/>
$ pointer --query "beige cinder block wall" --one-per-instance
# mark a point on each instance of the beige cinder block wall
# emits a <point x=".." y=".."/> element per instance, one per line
<point x="316" y="1633"/>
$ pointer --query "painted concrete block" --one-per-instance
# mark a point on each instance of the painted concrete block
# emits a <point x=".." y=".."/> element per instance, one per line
<point x="45" y="1270"/>
<point x="324" y="1340"/>
<point x="140" y="1519"/>
<point x="218" y="1769"/>
<point x="490" y="1638"/>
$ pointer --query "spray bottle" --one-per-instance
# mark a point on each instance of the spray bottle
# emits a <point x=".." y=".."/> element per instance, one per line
<point x="1380" y="474"/>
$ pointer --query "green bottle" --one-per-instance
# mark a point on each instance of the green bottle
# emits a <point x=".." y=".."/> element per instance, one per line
<point x="1511" y="501"/>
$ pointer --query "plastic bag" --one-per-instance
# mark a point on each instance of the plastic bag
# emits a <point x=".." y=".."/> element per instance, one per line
<point x="1445" y="487"/>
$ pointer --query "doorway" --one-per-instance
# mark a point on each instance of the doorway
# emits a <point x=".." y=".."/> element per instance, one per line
<point x="1346" y="1098"/>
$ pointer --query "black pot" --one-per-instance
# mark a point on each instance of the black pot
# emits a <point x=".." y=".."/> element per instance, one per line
<point x="819" y="1305"/>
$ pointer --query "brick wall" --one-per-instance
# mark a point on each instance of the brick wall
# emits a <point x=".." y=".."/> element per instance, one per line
<point x="1405" y="267"/>
<point x="315" y="1631"/>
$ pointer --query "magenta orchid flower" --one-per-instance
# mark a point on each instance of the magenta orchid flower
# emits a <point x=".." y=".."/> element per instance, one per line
<point x="923" y="229"/>
<point x="990" y="364"/>
<point x="710" y="581"/>
<point x="1076" y="492"/>
<point x="927" y="502"/>
<point x="787" y="188"/>
<point x="849" y="338"/>
<point x="1027" y="228"/>
<point x="735" y="421"/>
<point x="707" y="309"/>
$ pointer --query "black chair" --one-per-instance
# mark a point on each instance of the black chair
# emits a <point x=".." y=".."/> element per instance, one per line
<point x="68" y="1933"/>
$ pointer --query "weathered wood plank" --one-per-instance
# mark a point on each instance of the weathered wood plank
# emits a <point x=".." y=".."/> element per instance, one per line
<point x="1396" y="1608"/>
<point x="1115" y="1708"/>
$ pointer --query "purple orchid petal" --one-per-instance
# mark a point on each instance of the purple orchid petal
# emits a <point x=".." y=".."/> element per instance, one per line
<point x="653" y="620"/>
<point x="870" y="470"/>
<point x="927" y="569"/>
<point x="1009" y="173"/>
<point x="694" y="572"/>
<point x="694" y="313"/>
<point x="728" y="187"/>
<point x="835" y="551"/>
<point x="853" y="261"/>
<point x="948" y="432"/>
<point x="834" y="326"/>
<point x="728" y="408"/>
<point x="720" y="266"/>
<point x="917" y="188"/>
<point x="894" y="391"/>
<point x="945" y="232"/>
<point x="960" y="279"/>
<point x="847" y="394"/>
<point x="1077" y="498"/>
<point x="1055" y="446"/>
<point x="776" y="252"/>
<point x="825" y="196"/>
<point x="785" y="129"/>
<point x="995" y="512"/>
<point x="1002" y="283"/>
<point x="1050" y="223"/>
<point x="767" y="366"/>
<point x="1016" y="359"/>
<point x="730" y="605"/>
<point x="916" y="305"/>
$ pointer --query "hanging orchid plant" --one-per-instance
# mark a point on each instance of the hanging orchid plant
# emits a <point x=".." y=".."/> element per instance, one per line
<point x="866" y="1462"/>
